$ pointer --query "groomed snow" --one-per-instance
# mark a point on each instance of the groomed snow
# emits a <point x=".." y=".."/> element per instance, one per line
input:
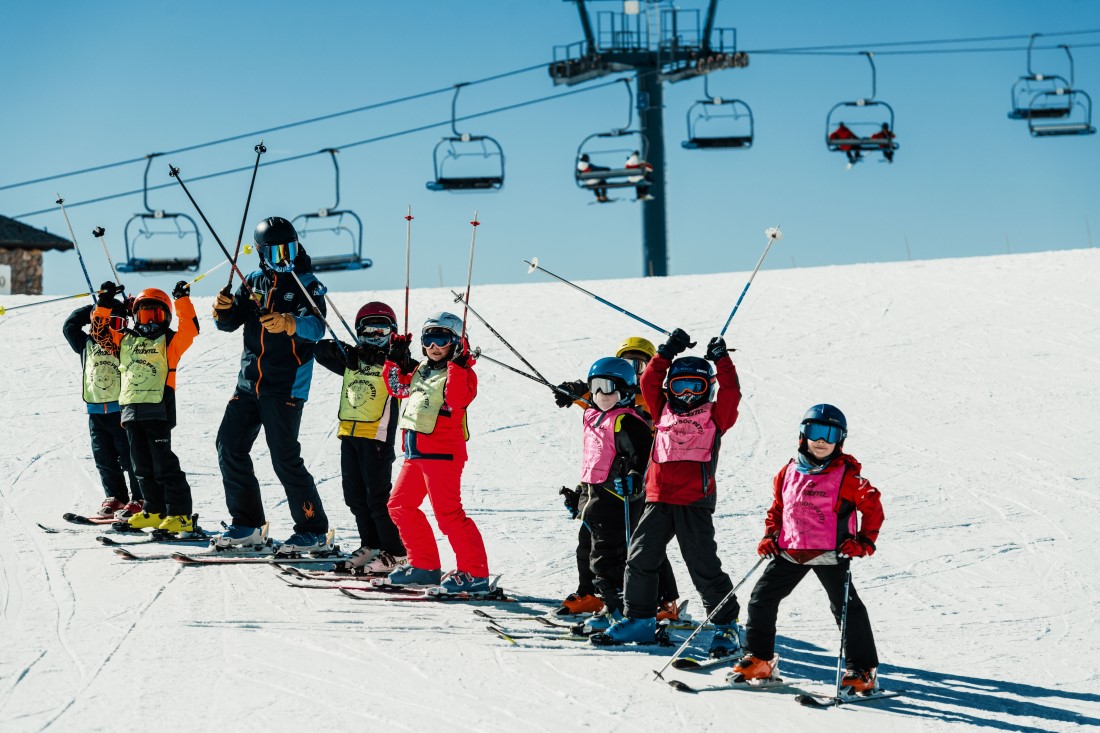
<point x="970" y="387"/>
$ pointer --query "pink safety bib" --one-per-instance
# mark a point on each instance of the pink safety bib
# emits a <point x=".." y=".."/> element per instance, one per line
<point x="599" y="443"/>
<point x="809" y="509"/>
<point x="687" y="437"/>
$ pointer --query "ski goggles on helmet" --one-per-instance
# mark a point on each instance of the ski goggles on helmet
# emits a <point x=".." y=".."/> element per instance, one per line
<point x="437" y="338"/>
<point x="117" y="323"/>
<point x="680" y="386"/>
<point x="820" y="431"/>
<point x="372" y="327"/>
<point x="277" y="254"/>
<point x="638" y="364"/>
<point x="150" y="314"/>
<point x="597" y="385"/>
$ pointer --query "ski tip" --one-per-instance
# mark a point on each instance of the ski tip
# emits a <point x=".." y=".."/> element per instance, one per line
<point x="681" y="686"/>
<point x="349" y="594"/>
<point x="185" y="559"/>
<point x="685" y="663"/>
<point x="44" y="528"/>
<point x="104" y="540"/>
<point x="810" y="701"/>
<point x="125" y="554"/>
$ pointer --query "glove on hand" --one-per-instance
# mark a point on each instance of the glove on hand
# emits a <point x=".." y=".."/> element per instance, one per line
<point x="182" y="290"/>
<point x="572" y="501"/>
<point x="716" y="348"/>
<point x="108" y="291"/>
<point x="628" y="485"/>
<point x="399" y="349"/>
<point x="857" y="547"/>
<point x="279" y="323"/>
<point x="224" y="301"/>
<point x="576" y="390"/>
<point x="768" y="547"/>
<point x="677" y="342"/>
<point x="352" y="356"/>
<point x="461" y="355"/>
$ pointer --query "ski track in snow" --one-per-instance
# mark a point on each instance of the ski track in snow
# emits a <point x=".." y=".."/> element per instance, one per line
<point x="970" y="386"/>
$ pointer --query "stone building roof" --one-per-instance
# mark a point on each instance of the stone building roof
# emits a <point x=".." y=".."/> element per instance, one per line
<point x="17" y="235"/>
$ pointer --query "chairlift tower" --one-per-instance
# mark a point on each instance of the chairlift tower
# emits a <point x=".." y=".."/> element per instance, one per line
<point x="659" y="43"/>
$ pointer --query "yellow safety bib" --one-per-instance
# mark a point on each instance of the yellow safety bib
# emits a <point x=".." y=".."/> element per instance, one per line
<point x="102" y="379"/>
<point x="144" y="365"/>
<point x="364" y="395"/>
<point x="420" y="409"/>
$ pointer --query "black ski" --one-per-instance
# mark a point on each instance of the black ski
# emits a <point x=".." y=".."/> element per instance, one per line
<point x="845" y="698"/>
<point x="156" y="536"/>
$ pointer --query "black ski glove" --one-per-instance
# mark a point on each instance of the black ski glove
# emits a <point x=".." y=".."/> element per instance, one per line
<point x="677" y="342"/>
<point x="716" y="349"/>
<point x="572" y="500"/>
<point x="352" y="356"/>
<point x="399" y="350"/>
<point x="576" y="390"/>
<point x="182" y="290"/>
<point x="107" y="295"/>
<point x="461" y="355"/>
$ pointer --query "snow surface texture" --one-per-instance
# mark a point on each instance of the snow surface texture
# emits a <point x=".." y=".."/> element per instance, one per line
<point x="971" y="389"/>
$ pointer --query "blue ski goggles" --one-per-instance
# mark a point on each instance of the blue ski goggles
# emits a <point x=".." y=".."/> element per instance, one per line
<point x="437" y="338"/>
<point x="680" y="386"/>
<point x="278" y="254"/>
<point x="819" y="431"/>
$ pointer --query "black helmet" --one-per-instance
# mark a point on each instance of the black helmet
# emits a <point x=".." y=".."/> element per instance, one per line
<point x="690" y="384"/>
<point x="274" y="230"/>
<point x="822" y="422"/>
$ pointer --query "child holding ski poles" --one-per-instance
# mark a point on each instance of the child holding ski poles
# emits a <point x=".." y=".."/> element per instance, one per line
<point x="436" y="394"/>
<point x="811" y="525"/>
<point x="148" y="355"/>
<point x="681" y="494"/>
<point x="637" y="351"/>
<point x="368" y="424"/>
<point x="102" y="385"/>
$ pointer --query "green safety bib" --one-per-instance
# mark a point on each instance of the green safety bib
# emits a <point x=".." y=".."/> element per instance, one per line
<point x="363" y="398"/>
<point x="102" y="378"/>
<point x="144" y="365"/>
<point x="420" y="409"/>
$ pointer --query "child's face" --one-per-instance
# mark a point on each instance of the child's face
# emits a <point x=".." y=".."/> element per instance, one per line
<point x="605" y="402"/>
<point x="438" y="353"/>
<point x="820" y="449"/>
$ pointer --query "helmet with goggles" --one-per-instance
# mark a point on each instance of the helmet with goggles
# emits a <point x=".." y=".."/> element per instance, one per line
<point x="152" y="312"/>
<point x="374" y="324"/>
<point x="612" y="374"/>
<point x="690" y="384"/>
<point x="824" y="422"/>
<point x="277" y="242"/>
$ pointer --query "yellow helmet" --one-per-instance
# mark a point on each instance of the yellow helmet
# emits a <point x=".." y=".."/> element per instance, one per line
<point x="637" y="343"/>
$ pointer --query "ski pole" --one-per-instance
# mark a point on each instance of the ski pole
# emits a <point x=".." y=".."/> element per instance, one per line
<point x="218" y="266"/>
<point x="470" y="273"/>
<point x="332" y="304"/>
<point x="174" y="172"/>
<point x="408" y="249"/>
<point x="774" y="235"/>
<point x="98" y="233"/>
<point x="532" y="377"/>
<point x="4" y="310"/>
<point x="843" y="631"/>
<point x="534" y="265"/>
<point x="317" y="312"/>
<point x="260" y="150"/>
<point x="700" y="626"/>
<point x="91" y="288"/>
<point x="459" y="298"/>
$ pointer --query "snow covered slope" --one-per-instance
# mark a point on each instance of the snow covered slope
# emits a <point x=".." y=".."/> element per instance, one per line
<point x="971" y="390"/>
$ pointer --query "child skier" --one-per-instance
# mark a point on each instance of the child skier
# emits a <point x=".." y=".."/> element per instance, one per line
<point x="811" y="525"/>
<point x="637" y="351"/>
<point x="102" y="384"/>
<point x="368" y="424"/>
<point x="616" y="447"/>
<point x="148" y="355"/>
<point x="436" y="395"/>
<point x="681" y="494"/>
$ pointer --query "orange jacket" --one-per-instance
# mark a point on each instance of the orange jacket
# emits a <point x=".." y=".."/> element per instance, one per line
<point x="178" y="341"/>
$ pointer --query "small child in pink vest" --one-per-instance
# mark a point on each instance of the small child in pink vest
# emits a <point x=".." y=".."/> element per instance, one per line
<point x="812" y="525"/>
<point x="617" y="442"/>
<point x="680" y="490"/>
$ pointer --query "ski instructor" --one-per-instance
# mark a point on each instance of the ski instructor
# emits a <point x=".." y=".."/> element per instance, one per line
<point x="280" y="330"/>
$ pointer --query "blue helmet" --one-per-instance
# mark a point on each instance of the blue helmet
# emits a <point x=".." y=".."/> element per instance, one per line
<point x="614" y="375"/>
<point x="833" y="425"/>
<point x="691" y="383"/>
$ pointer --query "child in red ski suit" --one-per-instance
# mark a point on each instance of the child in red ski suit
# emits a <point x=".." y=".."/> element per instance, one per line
<point x="811" y="525"/>
<point x="435" y="395"/>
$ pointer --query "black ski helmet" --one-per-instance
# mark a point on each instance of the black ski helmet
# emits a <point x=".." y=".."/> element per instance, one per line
<point x="823" y="414"/>
<point x="692" y="367"/>
<point x="274" y="230"/>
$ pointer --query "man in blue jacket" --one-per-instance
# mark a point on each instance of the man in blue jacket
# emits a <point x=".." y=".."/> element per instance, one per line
<point x="280" y="331"/>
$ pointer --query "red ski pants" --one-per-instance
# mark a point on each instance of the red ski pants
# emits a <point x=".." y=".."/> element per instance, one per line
<point x="441" y="481"/>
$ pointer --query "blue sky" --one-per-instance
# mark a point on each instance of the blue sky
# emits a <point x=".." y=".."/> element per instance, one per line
<point x="87" y="84"/>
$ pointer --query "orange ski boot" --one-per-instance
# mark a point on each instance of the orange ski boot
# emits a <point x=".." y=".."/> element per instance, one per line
<point x="576" y="604"/>
<point x="860" y="680"/>
<point x="754" y="670"/>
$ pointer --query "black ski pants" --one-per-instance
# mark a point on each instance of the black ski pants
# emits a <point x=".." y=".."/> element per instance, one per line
<point x="693" y="527"/>
<point x="602" y="510"/>
<point x="280" y="417"/>
<point x="586" y="579"/>
<point x="163" y="483"/>
<point x="111" y="452"/>
<point x="367" y="468"/>
<point x="778" y="580"/>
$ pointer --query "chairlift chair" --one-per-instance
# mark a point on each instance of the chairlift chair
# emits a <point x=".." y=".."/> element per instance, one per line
<point x="332" y="221"/>
<point x="1078" y="121"/>
<point x="1041" y="96"/>
<point x="864" y="117"/>
<point x="716" y="123"/>
<point x="607" y="152"/>
<point x="466" y="163"/>
<point x="184" y="227"/>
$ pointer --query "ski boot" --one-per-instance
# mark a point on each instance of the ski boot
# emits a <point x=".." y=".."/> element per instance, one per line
<point x="239" y="537"/>
<point x="383" y="564"/>
<point x="361" y="557"/>
<point x="578" y="603"/>
<point x="302" y="542"/>
<point x="598" y="622"/>
<point x="627" y="630"/>
<point x="755" y="671"/>
<point x="860" y="681"/>
<point x="130" y="509"/>
<point x="110" y="508"/>
<point x="408" y="576"/>
<point x="459" y="582"/>
<point x="144" y="520"/>
<point x="668" y="611"/>
<point x="178" y="524"/>
<point x="726" y="641"/>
